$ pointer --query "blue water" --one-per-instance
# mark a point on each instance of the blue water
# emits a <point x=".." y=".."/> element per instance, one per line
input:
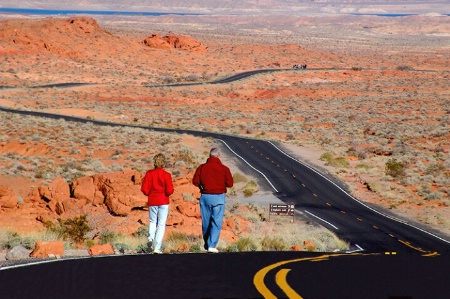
<point x="33" y="11"/>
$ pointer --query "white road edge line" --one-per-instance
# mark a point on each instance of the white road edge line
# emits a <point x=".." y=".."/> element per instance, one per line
<point x="335" y="227"/>
<point x="249" y="164"/>
<point x="357" y="250"/>
<point x="360" y="202"/>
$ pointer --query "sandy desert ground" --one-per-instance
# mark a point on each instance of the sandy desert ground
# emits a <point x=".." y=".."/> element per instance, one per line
<point x="376" y="91"/>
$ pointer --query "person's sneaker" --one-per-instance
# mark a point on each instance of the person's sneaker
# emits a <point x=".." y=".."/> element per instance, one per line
<point x="213" y="250"/>
<point x="157" y="251"/>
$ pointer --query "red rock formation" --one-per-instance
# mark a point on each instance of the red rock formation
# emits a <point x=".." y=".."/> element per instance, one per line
<point x="44" y="249"/>
<point x="106" y="198"/>
<point x="173" y="41"/>
<point x="101" y="249"/>
<point x="8" y="199"/>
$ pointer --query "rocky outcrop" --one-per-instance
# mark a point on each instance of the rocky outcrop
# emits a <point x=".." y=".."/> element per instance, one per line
<point x="173" y="41"/>
<point x="46" y="249"/>
<point x="101" y="249"/>
<point x="112" y="201"/>
<point x="17" y="253"/>
<point x="8" y="198"/>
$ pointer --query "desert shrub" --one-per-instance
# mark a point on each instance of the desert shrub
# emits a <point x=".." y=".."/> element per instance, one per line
<point x="273" y="243"/>
<point x="356" y="68"/>
<point x="395" y="168"/>
<point x="192" y="77"/>
<point x="73" y="229"/>
<point x="326" y="241"/>
<point x="242" y="244"/>
<point x="239" y="178"/>
<point x="362" y="166"/>
<point x="339" y="162"/>
<point x="404" y="68"/>
<point x="141" y="232"/>
<point x="107" y="236"/>
<point x="250" y="188"/>
<point x="185" y="155"/>
<point x="121" y="247"/>
<point x="433" y="195"/>
<point x="434" y="169"/>
<point x="326" y="157"/>
<point x="332" y="161"/>
<point x="10" y="240"/>
<point x="178" y="239"/>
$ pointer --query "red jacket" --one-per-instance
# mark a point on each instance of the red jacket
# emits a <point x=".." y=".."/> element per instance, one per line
<point x="215" y="176"/>
<point x="158" y="186"/>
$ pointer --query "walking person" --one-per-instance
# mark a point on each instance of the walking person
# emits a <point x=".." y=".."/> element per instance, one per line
<point x="157" y="185"/>
<point x="213" y="178"/>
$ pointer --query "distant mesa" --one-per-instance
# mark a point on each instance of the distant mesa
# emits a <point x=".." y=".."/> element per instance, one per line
<point x="173" y="41"/>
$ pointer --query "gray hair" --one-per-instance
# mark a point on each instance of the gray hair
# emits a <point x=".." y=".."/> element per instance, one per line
<point x="214" y="152"/>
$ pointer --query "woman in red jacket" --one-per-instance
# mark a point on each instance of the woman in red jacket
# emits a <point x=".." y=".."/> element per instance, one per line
<point x="157" y="185"/>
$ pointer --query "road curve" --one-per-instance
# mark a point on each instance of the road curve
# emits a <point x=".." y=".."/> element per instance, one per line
<point x="313" y="194"/>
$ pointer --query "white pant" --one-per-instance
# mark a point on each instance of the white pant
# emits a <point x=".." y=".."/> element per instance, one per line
<point x="157" y="226"/>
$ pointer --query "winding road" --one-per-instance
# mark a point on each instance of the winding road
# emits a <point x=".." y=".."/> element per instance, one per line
<point x="370" y="232"/>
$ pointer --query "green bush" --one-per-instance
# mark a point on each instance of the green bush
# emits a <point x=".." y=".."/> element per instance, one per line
<point x="326" y="157"/>
<point x="250" y="188"/>
<point x="12" y="239"/>
<point x="74" y="229"/>
<point x="395" y="168"/>
<point x="245" y="244"/>
<point x="332" y="161"/>
<point x="142" y="231"/>
<point x="239" y="178"/>
<point x="107" y="237"/>
<point x="270" y="244"/>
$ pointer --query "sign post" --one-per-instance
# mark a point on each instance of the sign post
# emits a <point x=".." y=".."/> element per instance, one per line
<point x="282" y="210"/>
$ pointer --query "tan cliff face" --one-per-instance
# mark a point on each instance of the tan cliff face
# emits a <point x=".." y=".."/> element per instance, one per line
<point x="369" y="94"/>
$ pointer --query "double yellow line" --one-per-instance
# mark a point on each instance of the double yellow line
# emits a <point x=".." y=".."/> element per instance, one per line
<point x="281" y="276"/>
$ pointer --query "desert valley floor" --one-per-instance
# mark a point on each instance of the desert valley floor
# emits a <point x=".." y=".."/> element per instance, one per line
<point x="372" y="108"/>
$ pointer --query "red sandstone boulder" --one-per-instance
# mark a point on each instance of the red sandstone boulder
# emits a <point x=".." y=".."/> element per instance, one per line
<point x="44" y="249"/>
<point x="189" y="209"/>
<point x="296" y="248"/>
<point x="123" y="192"/>
<point x="309" y="246"/>
<point x="173" y="41"/>
<point x="58" y="190"/>
<point x="86" y="188"/>
<point x="8" y="199"/>
<point x="101" y="249"/>
<point x="155" y="41"/>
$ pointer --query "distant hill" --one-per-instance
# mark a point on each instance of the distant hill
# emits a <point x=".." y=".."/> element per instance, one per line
<point x="245" y="6"/>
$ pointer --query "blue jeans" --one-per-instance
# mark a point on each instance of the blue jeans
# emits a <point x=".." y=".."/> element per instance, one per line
<point x="157" y="226"/>
<point x="212" y="208"/>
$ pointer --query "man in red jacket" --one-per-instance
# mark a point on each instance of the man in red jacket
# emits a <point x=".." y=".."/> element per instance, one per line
<point x="157" y="185"/>
<point x="213" y="178"/>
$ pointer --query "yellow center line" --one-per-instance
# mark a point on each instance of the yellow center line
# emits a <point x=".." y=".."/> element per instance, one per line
<point x="413" y="247"/>
<point x="280" y="279"/>
<point x="258" y="279"/>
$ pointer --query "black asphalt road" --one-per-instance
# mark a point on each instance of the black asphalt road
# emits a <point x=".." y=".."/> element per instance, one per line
<point x="232" y="275"/>
<point x="318" y="197"/>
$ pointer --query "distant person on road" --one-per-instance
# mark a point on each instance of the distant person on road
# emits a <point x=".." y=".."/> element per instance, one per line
<point x="157" y="185"/>
<point x="213" y="178"/>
